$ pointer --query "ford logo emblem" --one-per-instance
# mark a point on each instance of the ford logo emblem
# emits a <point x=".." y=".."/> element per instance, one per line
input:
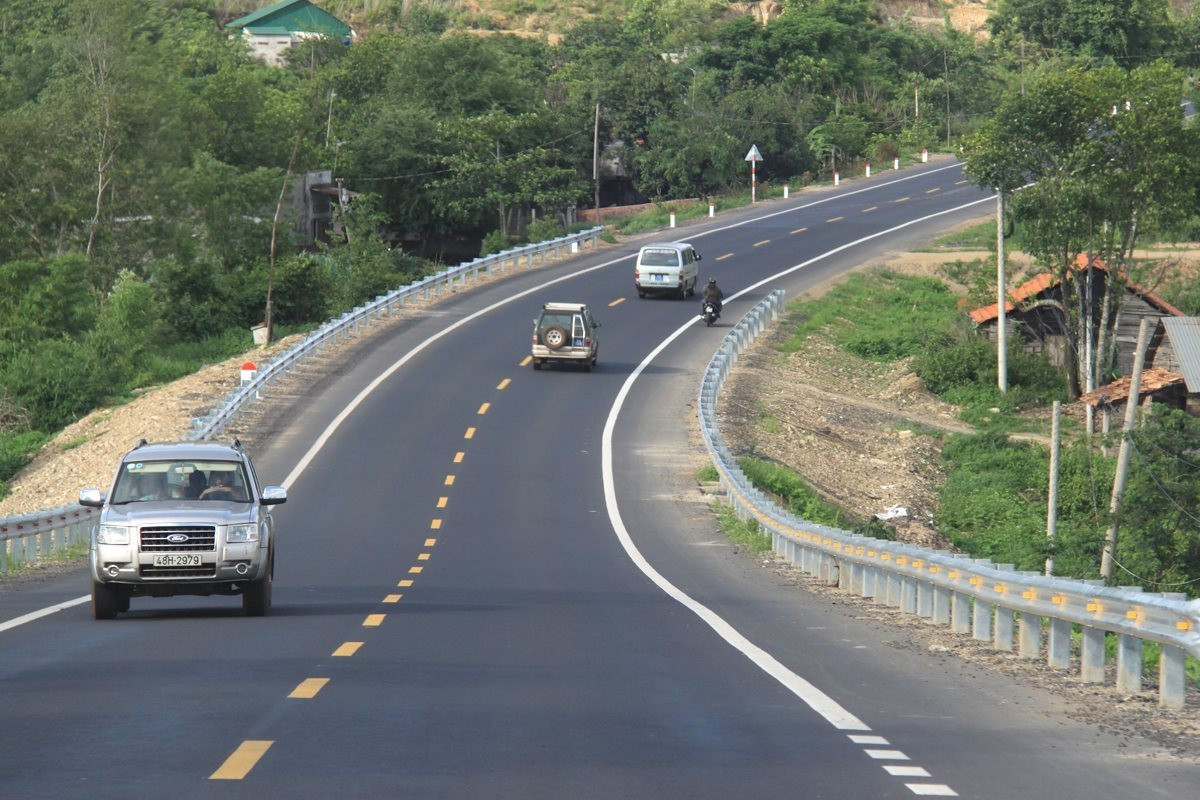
<point x="177" y="538"/>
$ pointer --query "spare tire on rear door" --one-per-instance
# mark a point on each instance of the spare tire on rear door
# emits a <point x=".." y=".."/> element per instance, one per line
<point x="554" y="336"/>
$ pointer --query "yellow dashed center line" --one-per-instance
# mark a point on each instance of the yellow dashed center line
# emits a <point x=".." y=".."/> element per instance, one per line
<point x="404" y="584"/>
<point x="392" y="598"/>
<point x="903" y="200"/>
<point x="459" y="456"/>
<point x="415" y="570"/>
<point x="872" y="208"/>
<point x="442" y="502"/>
<point x="800" y="230"/>
<point x="960" y="183"/>
<point x="834" y="219"/>
<point x="933" y="190"/>
<point x="308" y="688"/>
<point x="435" y="524"/>
<point x="524" y="361"/>
<point x="503" y="384"/>
<point x="430" y="542"/>
<point x="616" y="302"/>
<point x="727" y="255"/>
<point x="470" y="434"/>
<point x="347" y="649"/>
<point x="483" y="409"/>
<point x="449" y="480"/>
<point x="764" y="241"/>
<point x="423" y="557"/>
<point x="239" y="764"/>
<point x="374" y="620"/>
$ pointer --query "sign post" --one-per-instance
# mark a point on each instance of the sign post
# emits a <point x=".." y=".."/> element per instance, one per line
<point x="753" y="157"/>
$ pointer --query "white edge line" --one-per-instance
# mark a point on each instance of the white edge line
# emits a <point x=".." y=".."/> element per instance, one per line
<point x="44" y="612"/>
<point x="820" y="702"/>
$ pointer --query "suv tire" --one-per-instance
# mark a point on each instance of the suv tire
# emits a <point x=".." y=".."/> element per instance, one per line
<point x="554" y="337"/>
<point x="104" y="601"/>
<point x="256" y="597"/>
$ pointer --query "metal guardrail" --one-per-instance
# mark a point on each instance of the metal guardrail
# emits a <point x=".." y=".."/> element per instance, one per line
<point x="29" y="538"/>
<point x="990" y="602"/>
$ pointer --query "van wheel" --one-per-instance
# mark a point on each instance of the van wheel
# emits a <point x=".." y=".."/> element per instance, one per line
<point x="641" y="293"/>
<point x="537" y="363"/>
<point x="683" y="291"/>
<point x="554" y="337"/>
<point x="104" y="601"/>
<point x="692" y="291"/>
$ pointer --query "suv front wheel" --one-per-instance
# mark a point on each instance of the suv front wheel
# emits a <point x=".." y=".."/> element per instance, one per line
<point x="105" y="603"/>
<point x="256" y="597"/>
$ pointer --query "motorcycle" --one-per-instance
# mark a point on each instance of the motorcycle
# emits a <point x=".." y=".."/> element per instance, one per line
<point x="710" y="313"/>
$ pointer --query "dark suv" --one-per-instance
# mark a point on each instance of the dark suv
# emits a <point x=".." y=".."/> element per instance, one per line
<point x="185" y="518"/>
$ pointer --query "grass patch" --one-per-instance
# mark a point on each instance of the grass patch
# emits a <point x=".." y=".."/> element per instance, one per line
<point x="744" y="533"/>
<point x="878" y="314"/>
<point x="708" y="474"/>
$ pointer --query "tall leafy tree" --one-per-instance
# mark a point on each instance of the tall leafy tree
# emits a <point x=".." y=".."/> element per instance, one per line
<point x="1098" y="157"/>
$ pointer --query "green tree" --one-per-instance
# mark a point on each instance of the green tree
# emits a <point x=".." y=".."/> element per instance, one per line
<point x="1097" y="157"/>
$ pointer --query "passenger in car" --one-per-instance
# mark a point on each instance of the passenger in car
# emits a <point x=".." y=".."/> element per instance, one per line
<point x="197" y="483"/>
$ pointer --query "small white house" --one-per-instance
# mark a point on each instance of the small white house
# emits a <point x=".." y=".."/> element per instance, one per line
<point x="272" y="30"/>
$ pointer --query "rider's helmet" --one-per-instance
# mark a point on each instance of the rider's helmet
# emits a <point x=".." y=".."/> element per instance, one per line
<point x="712" y="281"/>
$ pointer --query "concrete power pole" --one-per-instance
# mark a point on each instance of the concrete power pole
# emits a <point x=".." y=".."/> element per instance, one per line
<point x="1001" y="299"/>
<point x="1119" y="480"/>
<point x="1052" y="499"/>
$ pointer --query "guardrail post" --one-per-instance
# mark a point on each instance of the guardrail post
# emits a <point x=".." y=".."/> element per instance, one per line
<point x="869" y="580"/>
<point x="908" y="594"/>
<point x="1172" y="677"/>
<point x="942" y="599"/>
<point x="1129" y="663"/>
<point x="1030" y="636"/>
<point x="924" y="606"/>
<point x="1091" y="655"/>
<point x="960" y="612"/>
<point x="1058" y="649"/>
<point x="1002" y="638"/>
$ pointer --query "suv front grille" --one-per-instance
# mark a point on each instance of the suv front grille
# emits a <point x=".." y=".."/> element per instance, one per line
<point x="156" y="539"/>
<point x="205" y="571"/>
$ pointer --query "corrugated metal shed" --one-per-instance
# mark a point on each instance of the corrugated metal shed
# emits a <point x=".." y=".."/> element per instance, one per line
<point x="1184" y="334"/>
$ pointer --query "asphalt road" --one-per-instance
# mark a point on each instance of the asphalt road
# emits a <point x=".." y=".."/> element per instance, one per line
<point x="495" y="582"/>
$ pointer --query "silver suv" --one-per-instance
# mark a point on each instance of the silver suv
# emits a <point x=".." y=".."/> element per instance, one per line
<point x="183" y="518"/>
<point x="566" y="333"/>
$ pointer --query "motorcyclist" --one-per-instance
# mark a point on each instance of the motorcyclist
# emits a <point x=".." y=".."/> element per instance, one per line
<point x="713" y="294"/>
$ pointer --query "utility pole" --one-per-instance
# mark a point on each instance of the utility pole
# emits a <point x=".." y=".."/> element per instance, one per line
<point x="1052" y="499"/>
<point x="946" y="67"/>
<point x="1001" y="300"/>
<point x="596" y="161"/>
<point x="1119" y="480"/>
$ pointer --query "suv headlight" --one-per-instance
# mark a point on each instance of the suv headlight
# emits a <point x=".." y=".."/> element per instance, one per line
<point x="242" y="533"/>
<point x="112" y="534"/>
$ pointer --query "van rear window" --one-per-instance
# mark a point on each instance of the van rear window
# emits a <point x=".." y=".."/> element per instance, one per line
<point x="659" y="257"/>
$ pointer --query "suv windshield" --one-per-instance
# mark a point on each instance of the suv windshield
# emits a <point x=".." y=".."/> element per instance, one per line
<point x="141" y="481"/>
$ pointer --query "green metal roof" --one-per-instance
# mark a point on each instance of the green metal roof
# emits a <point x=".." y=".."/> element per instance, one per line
<point x="289" y="16"/>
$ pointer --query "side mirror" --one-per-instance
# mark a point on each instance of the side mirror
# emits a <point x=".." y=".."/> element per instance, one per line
<point x="91" y="498"/>
<point x="273" y="495"/>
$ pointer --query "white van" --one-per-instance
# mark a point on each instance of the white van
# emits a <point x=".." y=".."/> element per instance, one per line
<point x="667" y="268"/>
